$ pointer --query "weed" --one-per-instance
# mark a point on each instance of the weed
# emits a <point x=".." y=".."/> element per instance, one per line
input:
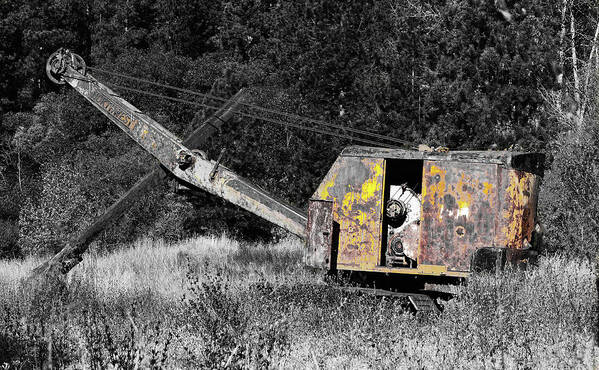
<point x="209" y="303"/>
<point x="232" y="324"/>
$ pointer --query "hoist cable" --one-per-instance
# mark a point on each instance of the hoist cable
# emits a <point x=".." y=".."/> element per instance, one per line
<point x="288" y="115"/>
<point x="249" y="115"/>
<point x="261" y="109"/>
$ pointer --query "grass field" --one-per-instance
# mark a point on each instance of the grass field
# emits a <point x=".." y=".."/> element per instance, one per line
<point x="214" y="302"/>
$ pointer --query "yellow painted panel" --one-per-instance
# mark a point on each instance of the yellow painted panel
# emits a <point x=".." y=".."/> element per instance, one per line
<point x="355" y="185"/>
<point x="424" y="270"/>
<point x="517" y="217"/>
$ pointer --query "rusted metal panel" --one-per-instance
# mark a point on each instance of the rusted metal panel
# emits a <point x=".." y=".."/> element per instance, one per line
<point x="320" y="234"/>
<point x="518" y="208"/>
<point x="459" y="204"/>
<point x="355" y="185"/>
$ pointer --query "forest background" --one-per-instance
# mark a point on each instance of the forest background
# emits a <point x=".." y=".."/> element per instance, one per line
<point x="502" y="75"/>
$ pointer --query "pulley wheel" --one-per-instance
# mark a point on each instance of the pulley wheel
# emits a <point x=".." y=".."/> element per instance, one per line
<point x="55" y="66"/>
<point x="396" y="212"/>
<point x="395" y="246"/>
<point x="58" y="63"/>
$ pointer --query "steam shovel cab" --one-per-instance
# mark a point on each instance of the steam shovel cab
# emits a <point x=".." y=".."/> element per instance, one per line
<point x="429" y="214"/>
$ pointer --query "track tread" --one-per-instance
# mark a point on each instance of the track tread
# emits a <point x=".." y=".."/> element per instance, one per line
<point x="419" y="302"/>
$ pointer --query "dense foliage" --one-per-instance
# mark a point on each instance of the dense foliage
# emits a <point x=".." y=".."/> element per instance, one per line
<point x="465" y="74"/>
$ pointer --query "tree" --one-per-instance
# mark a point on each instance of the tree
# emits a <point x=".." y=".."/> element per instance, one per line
<point x="441" y="72"/>
<point x="568" y="198"/>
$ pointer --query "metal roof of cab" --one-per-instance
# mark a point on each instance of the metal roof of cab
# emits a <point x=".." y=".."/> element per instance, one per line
<point x="529" y="162"/>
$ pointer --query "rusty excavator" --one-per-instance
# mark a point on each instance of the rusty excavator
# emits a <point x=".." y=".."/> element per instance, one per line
<point x="403" y="219"/>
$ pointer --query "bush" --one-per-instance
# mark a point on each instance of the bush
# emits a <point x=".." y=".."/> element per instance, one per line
<point x="522" y="318"/>
<point x="569" y="196"/>
<point x="239" y="329"/>
<point x="67" y="326"/>
<point x="48" y="219"/>
<point x="111" y="346"/>
<point x="9" y="239"/>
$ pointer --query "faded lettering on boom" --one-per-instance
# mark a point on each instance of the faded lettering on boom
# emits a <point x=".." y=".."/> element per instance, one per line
<point x="128" y="120"/>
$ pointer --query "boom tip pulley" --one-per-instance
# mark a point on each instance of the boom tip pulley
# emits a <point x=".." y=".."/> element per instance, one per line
<point x="59" y="62"/>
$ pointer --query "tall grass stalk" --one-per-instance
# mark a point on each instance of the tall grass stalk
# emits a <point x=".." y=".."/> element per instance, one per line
<point x="213" y="301"/>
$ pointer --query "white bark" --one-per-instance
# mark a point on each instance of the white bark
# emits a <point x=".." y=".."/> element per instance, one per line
<point x="19" y="170"/>
<point x="562" y="35"/>
<point x="574" y="59"/>
<point x="589" y="69"/>
<point x="575" y="73"/>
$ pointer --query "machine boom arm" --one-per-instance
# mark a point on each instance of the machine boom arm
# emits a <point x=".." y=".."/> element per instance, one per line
<point x="186" y="165"/>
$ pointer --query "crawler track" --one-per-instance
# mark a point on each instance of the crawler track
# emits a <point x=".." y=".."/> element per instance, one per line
<point x="417" y="301"/>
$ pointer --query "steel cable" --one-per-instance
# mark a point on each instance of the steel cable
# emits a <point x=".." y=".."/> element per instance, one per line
<point x="249" y="115"/>
<point x="262" y="109"/>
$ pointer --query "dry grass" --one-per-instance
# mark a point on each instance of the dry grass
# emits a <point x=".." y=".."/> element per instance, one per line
<point x="12" y="271"/>
<point x="212" y="301"/>
<point x="162" y="268"/>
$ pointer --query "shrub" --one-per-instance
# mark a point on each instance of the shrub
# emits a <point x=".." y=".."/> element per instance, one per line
<point x="48" y="326"/>
<point x="239" y="329"/>
<point x="569" y="197"/>
<point x="523" y="318"/>
<point x="173" y="213"/>
<point x="109" y="345"/>
<point x="34" y="333"/>
<point x="47" y="220"/>
<point x="9" y="239"/>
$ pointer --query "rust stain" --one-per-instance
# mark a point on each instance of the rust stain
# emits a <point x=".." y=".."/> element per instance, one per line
<point x="355" y="185"/>
<point x="457" y="217"/>
<point x="436" y="189"/>
<point x="323" y="190"/>
<point x="465" y="207"/>
<point x="320" y="234"/>
<point x="518" y="209"/>
<point x="488" y="191"/>
<point x="119" y="113"/>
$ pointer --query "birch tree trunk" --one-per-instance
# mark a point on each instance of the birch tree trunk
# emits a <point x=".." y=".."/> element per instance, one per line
<point x="575" y="73"/>
<point x="589" y="69"/>
<point x="562" y="48"/>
